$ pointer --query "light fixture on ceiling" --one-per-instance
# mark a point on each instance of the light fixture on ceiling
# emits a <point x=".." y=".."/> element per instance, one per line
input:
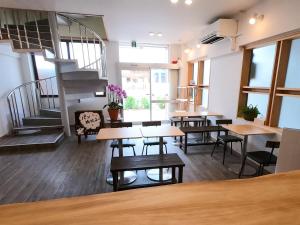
<point x="151" y="34"/>
<point x="198" y="45"/>
<point x="253" y="19"/>
<point x="174" y="1"/>
<point x="188" y="2"/>
<point x="159" y="34"/>
<point x="187" y="50"/>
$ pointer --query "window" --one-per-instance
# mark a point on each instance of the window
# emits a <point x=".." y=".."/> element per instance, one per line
<point x="143" y="54"/>
<point x="199" y="73"/>
<point x="270" y="80"/>
<point x="43" y="70"/>
<point x="86" y="53"/>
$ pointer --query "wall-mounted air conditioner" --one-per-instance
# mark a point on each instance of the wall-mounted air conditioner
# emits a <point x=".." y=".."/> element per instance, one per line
<point x="217" y="31"/>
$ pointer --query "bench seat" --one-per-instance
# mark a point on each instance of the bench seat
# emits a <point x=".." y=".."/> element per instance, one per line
<point x="144" y="162"/>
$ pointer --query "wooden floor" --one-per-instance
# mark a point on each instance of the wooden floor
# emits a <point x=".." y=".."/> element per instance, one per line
<point x="75" y="170"/>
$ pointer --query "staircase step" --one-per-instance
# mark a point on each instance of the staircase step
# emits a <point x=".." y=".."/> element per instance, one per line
<point x="38" y="141"/>
<point x="54" y="113"/>
<point x="24" y="128"/>
<point x="83" y="74"/>
<point x="41" y="121"/>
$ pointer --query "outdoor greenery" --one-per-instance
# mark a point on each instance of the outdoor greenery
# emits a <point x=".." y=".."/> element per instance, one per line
<point x="130" y="103"/>
<point x="133" y="103"/>
<point x="143" y="103"/>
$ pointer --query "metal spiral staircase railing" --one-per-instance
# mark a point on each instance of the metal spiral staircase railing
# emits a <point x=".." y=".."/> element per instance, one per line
<point x="30" y="31"/>
<point x="26" y="101"/>
<point x="92" y="58"/>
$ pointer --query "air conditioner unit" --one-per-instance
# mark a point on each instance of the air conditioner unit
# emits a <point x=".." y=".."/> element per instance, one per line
<point x="217" y="31"/>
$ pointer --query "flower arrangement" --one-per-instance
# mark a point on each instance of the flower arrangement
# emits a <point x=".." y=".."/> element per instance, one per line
<point x="115" y="96"/>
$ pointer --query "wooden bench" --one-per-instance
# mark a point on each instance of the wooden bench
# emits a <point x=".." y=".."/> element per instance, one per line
<point x="199" y="130"/>
<point x="121" y="164"/>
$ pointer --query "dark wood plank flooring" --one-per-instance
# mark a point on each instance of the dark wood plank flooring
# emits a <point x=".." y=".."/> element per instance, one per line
<point x="75" y="170"/>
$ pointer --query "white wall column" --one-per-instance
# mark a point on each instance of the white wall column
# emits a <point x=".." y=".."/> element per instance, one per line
<point x="60" y="87"/>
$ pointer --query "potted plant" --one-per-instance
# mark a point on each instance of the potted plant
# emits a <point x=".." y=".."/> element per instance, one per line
<point x="115" y="96"/>
<point x="250" y="112"/>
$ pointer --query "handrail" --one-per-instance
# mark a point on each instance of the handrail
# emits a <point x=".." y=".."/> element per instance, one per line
<point x="81" y="24"/>
<point x="25" y="100"/>
<point x="98" y="62"/>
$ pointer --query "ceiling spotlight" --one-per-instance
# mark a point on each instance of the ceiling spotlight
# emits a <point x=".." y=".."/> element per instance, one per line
<point x="255" y="18"/>
<point x="174" y="1"/>
<point x="188" y="2"/>
<point x="198" y="45"/>
<point x="252" y="20"/>
<point x="151" y="34"/>
<point x="159" y="34"/>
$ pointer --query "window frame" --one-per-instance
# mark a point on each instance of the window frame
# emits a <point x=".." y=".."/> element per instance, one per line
<point x="277" y="90"/>
<point x="198" y="101"/>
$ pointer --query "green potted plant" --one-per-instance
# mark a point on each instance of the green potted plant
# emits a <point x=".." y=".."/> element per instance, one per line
<point x="115" y="96"/>
<point x="250" y="112"/>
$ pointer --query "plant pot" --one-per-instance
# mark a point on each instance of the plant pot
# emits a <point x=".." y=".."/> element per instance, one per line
<point x="249" y="117"/>
<point x="113" y="114"/>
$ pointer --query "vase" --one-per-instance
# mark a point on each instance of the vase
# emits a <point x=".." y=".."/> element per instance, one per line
<point x="113" y="114"/>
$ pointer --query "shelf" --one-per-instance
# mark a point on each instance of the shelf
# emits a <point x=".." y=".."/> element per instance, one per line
<point x="287" y="95"/>
<point x="247" y="89"/>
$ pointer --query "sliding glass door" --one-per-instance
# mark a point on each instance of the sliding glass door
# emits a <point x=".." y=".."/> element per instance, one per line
<point x="148" y="94"/>
<point x="136" y="83"/>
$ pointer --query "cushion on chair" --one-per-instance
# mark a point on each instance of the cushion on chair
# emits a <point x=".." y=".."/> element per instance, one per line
<point x="126" y="144"/>
<point x="262" y="157"/>
<point x="229" y="138"/>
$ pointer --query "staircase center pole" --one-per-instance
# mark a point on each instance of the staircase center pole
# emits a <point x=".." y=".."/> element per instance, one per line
<point x="60" y="87"/>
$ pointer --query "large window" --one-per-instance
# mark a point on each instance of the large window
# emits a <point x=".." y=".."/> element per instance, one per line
<point x="271" y="81"/>
<point x="43" y="70"/>
<point x="143" y="54"/>
<point x="198" y="76"/>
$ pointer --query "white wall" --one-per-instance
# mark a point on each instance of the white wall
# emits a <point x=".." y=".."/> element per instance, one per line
<point x="279" y="17"/>
<point x="14" y="71"/>
<point x="224" y="84"/>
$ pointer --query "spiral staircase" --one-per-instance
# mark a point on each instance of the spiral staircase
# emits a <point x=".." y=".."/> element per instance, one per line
<point x="38" y="109"/>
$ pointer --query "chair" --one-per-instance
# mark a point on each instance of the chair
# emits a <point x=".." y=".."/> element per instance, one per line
<point x="88" y="122"/>
<point x="263" y="158"/>
<point x="225" y="139"/>
<point x="126" y="143"/>
<point x="151" y="142"/>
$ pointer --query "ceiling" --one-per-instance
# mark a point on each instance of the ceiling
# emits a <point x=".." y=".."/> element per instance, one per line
<point x="127" y="20"/>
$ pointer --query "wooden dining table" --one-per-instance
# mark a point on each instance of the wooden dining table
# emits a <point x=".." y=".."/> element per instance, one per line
<point x="246" y="130"/>
<point x="120" y="134"/>
<point x="160" y="132"/>
<point x="271" y="199"/>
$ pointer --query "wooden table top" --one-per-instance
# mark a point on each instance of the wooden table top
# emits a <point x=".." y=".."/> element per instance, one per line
<point x="248" y="129"/>
<point x="192" y="114"/>
<point x="272" y="199"/>
<point x="119" y="133"/>
<point x="161" y="131"/>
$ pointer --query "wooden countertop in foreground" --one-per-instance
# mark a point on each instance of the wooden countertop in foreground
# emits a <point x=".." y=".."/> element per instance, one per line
<point x="273" y="199"/>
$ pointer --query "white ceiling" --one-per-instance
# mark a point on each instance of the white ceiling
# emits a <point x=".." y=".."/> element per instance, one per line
<point x="127" y="20"/>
